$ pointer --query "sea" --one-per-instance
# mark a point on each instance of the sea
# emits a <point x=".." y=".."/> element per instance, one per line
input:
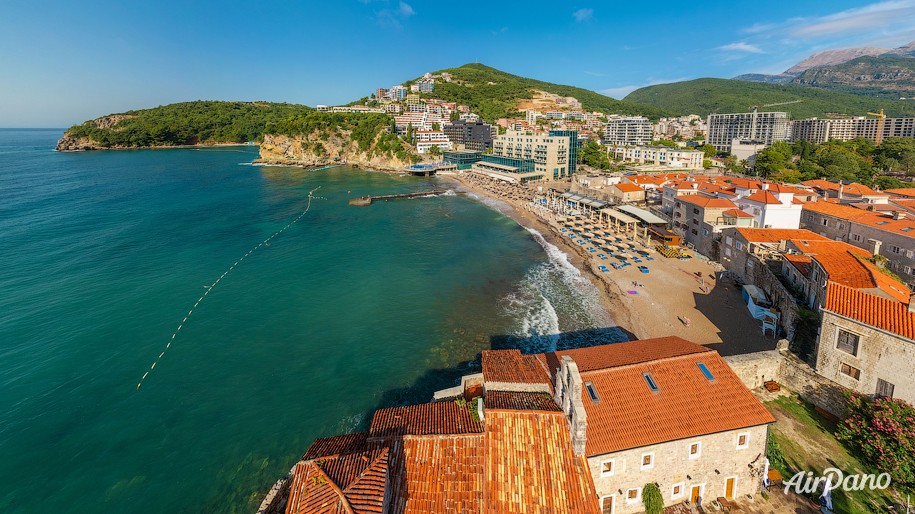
<point x="178" y="325"/>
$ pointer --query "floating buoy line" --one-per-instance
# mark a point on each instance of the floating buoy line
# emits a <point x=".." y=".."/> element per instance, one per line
<point x="265" y="242"/>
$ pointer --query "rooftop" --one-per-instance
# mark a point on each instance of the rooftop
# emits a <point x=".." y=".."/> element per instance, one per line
<point x="629" y="414"/>
<point x="736" y="213"/>
<point x="851" y="188"/>
<point x="846" y="265"/>
<point x="424" y="419"/>
<point x="511" y="366"/>
<point x="892" y="316"/>
<point x="905" y="226"/>
<point x="628" y="188"/>
<point x="777" y="235"/>
<point x="763" y="196"/>
<point x="707" y="202"/>
<point x="340" y="483"/>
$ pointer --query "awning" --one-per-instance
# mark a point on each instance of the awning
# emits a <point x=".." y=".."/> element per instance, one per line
<point x="618" y="216"/>
<point x="642" y="214"/>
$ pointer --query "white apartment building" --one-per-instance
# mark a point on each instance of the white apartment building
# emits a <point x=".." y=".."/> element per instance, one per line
<point x="765" y="127"/>
<point x="550" y="154"/>
<point x="661" y="156"/>
<point x="628" y="131"/>
<point x="818" y="130"/>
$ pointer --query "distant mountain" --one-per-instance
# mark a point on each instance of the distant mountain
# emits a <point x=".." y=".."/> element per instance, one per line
<point x="888" y="76"/>
<point x="708" y="95"/>
<point x="494" y="94"/>
<point x="833" y="57"/>
<point x="869" y="71"/>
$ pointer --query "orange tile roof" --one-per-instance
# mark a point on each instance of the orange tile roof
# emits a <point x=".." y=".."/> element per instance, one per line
<point x="736" y="213"/>
<point x="905" y="226"/>
<point x="801" y="262"/>
<point x="628" y="188"/>
<point x="519" y="401"/>
<point x="707" y="202"/>
<point x="629" y="415"/>
<point x="869" y="309"/>
<point x="437" y="474"/>
<point x="845" y="265"/>
<point x="763" y="196"/>
<point x="777" y="235"/>
<point x="353" y="483"/>
<point x="530" y="467"/>
<point x="336" y="445"/>
<point x="904" y="191"/>
<point x="424" y="419"/>
<point x="853" y="188"/>
<point x="513" y="367"/>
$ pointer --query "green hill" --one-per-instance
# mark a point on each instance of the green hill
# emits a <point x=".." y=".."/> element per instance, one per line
<point x="183" y="123"/>
<point x="493" y="94"/>
<point x="705" y="96"/>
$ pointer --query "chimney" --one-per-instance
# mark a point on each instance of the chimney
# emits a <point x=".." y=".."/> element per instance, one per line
<point x="898" y="215"/>
<point x="765" y="186"/>
<point x="875" y="246"/>
<point x="841" y="191"/>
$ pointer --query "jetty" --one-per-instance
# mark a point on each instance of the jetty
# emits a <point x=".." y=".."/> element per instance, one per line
<point x="367" y="200"/>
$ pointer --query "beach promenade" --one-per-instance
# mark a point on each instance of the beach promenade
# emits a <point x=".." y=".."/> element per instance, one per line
<point x="676" y="296"/>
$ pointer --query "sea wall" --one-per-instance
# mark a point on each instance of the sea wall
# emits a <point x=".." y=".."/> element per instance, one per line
<point x="322" y="150"/>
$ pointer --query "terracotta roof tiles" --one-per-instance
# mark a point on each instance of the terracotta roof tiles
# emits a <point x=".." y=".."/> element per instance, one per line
<point x="845" y="264"/>
<point x="707" y="202"/>
<point x="777" y="235"/>
<point x="511" y="366"/>
<point x="336" y="445"/>
<point x="340" y="484"/>
<point x="908" y="192"/>
<point x="438" y="474"/>
<point x="425" y="419"/>
<point x="885" y="314"/>
<point x="622" y="354"/>
<point x="736" y="213"/>
<point x="519" y="401"/>
<point x="763" y="196"/>
<point x="628" y="188"/>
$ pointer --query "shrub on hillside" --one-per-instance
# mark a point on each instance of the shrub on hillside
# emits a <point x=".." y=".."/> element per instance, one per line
<point x="882" y="431"/>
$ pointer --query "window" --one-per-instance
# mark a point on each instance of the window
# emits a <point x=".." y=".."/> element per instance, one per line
<point x="738" y="245"/>
<point x="728" y="240"/>
<point x="695" y="450"/>
<point x="633" y="495"/>
<point x="695" y="211"/>
<point x="743" y="441"/>
<point x="606" y="468"/>
<point x="705" y="372"/>
<point x="894" y="249"/>
<point x="727" y="252"/>
<point x="884" y="388"/>
<point x="850" y="371"/>
<point x="651" y="383"/>
<point x="695" y="232"/>
<point x="606" y="505"/>
<point x="677" y="491"/>
<point x="848" y="342"/>
<point x="647" y="461"/>
<point x="592" y="392"/>
<point x="825" y="222"/>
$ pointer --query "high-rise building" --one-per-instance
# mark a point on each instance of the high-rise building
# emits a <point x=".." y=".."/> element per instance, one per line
<point x="474" y="135"/>
<point x="844" y="129"/>
<point x="764" y="127"/>
<point x="573" y="147"/>
<point x="548" y="157"/>
<point x="628" y="131"/>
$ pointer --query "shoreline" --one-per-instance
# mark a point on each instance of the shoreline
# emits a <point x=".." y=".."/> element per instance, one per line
<point x="611" y="298"/>
<point x="161" y="147"/>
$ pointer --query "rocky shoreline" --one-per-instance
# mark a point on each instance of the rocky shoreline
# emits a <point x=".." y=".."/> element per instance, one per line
<point x="69" y="144"/>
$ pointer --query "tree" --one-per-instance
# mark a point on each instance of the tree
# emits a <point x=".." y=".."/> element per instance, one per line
<point x="882" y="430"/>
<point x="707" y="163"/>
<point x="773" y="159"/>
<point x="708" y="150"/>
<point x="652" y="499"/>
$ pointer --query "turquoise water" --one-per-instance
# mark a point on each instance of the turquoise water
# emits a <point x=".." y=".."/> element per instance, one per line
<point x="102" y="254"/>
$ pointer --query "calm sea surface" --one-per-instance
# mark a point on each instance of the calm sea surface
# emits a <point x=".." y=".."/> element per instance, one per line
<point x="102" y="255"/>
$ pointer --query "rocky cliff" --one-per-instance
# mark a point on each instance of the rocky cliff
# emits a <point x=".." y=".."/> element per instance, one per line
<point x="323" y="148"/>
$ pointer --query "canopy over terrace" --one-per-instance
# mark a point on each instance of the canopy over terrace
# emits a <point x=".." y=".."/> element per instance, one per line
<point x="583" y="202"/>
<point x="643" y="215"/>
<point x="618" y="220"/>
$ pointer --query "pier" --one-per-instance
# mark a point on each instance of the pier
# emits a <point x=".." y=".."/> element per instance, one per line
<point x="367" y="200"/>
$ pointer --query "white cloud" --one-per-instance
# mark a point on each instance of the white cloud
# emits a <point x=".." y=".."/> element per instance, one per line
<point x="622" y="91"/>
<point x="406" y="10"/>
<point x="742" y="46"/>
<point x="595" y="74"/>
<point x="878" y="16"/>
<point x="583" y="15"/>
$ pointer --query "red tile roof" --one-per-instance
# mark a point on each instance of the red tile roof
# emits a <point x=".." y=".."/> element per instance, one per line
<point x="905" y="191"/>
<point x="628" y="188"/>
<point x="853" y="188"/>
<point x="777" y="235"/>
<point x="519" y="401"/>
<point x="763" y="196"/>
<point x="707" y="202"/>
<point x="736" y="213"/>
<point x="687" y="404"/>
<point x="845" y="265"/>
<point x="513" y="367"/>
<point x="336" y="445"/>
<point x="801" y="262"/>
<point x="530" y="467"/>
<point x="424" y="419"/>
<point x="437" y="474"/>
<point x="353" y="483"/>
<point x="889" y="315"/>
<point x="876" y="220"/>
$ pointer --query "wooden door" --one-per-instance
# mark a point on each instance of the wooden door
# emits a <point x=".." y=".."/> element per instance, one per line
<point x="729" y="488"/>
<point x="694" y="494"/>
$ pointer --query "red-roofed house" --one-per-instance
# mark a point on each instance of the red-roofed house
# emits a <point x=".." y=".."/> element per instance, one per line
<point x="627" y="193"/>
<point x="697" y="219"/>
<point x="663" y="410"/>
<point x="867" y="343"/>
<point x="892" y="236"/>
<point x="846" y="192"/>
<point x="771" y="205"/>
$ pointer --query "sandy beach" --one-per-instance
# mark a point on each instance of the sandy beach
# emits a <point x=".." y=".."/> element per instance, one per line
<point x="676" y="297"/>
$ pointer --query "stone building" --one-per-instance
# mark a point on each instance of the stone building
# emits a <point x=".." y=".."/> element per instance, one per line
<point x="892" y="236"/>
<point x="626" y="193"/>
<point x="867" y="343"/>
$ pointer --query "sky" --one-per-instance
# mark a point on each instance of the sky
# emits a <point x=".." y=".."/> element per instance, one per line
<point x="63" y="62"/>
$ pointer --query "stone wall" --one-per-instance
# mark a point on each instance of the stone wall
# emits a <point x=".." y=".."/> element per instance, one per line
<point x="791" y="373"/>
<point x="756" y="272"/>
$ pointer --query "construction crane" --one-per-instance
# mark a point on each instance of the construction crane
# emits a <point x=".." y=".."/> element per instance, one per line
<point x="881" y="121"/>
<point x="756" y="107"/>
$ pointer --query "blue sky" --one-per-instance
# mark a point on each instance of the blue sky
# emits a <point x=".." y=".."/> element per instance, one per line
<point x="65" y="62"/>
